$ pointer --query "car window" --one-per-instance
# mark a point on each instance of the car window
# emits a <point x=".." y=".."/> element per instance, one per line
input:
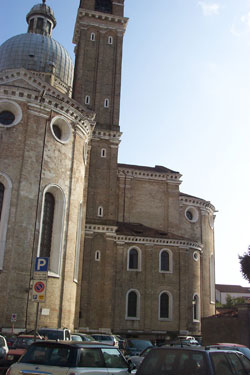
<point x="49" y="355"/>
<point x="221" y="364"/>
<point x="91" y="357"/>
<point x="2" y="342"/>
<point x="113" y="358"/>
<point x="23" y="342"/>
<point x="246" y="363"/>
<point x="237" y="364"/>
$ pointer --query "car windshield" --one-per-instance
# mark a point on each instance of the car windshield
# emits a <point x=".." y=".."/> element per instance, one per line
<point x="102" y="338"/>
<point x="139" y="344"/>
<point x="23" y="342"/>
<point x="51" y="355"/>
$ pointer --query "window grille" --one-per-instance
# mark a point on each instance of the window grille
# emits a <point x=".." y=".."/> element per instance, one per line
<point x="132" y="305"/>
<point x="133" y="259"/>
<point x="164" y="261"/>
<point x="164" y="306"/>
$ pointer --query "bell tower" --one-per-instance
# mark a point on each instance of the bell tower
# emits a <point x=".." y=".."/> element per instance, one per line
<point x="98" y="35"/>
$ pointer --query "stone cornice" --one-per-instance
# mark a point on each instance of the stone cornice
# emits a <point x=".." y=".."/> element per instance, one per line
<point x="42" y="95"/>
<point x="110" y="231"/>
<point x="113" y="136"/>
<point x="132" y="172"/>
<point x="87" y="18"/>
<point x="197" y="202"/>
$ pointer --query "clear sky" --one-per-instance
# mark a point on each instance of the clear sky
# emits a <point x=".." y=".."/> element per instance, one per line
<point x="185" y="101"/>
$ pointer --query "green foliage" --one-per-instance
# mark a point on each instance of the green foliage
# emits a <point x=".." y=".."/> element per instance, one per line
<point x="245" y="264"/>
<point x="232" y="302"/>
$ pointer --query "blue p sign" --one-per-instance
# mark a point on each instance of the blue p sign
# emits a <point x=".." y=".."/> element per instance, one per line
<point x="42" y="264"/>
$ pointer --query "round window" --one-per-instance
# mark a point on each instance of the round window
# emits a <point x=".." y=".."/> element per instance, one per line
<point x="7" y="118"/>
<point x="10" y="113"/>
<point x="61" y="129"/>
<point x="191" y="214"/>
<point x="196" y="256"/>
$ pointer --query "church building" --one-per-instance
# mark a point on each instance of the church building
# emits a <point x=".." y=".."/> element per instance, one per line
<point x="129" y="253"/>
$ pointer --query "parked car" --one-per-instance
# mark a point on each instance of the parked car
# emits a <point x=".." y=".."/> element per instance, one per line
<point x="136" y="346"/>
<point x="72" y="357"/>
<point x="18" y="348"/>
<point x="193" y="361"/>
<point x="136" y="360"/>
<point x="55" y="333"/>
<point x="83" y="336"/>
<point x="106" y="339"/>
<point x="229" y="346"/>
<point x="3" y="347"/>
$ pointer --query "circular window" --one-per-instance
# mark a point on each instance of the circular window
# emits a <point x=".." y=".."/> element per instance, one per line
<point x="10" y="113"/>
<point x="61" y="129"/>
<point x="196" y="256"/>
<point x="192" y="214"/>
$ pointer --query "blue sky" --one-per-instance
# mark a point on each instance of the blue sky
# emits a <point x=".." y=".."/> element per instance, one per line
<point x="185" y="101"/>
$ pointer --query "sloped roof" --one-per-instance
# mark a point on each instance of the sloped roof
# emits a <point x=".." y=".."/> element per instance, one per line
<point x="223" y="288"/>
<point x="137" y="229"/>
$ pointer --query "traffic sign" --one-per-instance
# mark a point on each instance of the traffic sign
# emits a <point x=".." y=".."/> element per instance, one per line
<point x="41" y="268"/>
<point x="39" y="290"/>
<point x="13" y="318"/>
<point x="42" y="264"/>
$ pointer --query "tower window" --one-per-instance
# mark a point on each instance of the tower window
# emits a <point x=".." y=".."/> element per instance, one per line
<point x="110" y="40"/>
<point x="92" y="37"/>
<point x="87" y="99"/>
<point x="100" y="211"/>
<point x="48" y="217"/>
<point x="106" y="103"/>
<point x="196" y="308"/>
<point x="98" y="255"/>
<point x="104" y="6"/>
<point x="31" y="25"/>
<point x="57" y="131"/>
<point x="103" y="153"/>
<point x="1" y="198"/>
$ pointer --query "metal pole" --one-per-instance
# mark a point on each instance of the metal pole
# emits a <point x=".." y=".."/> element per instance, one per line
<point x="36" y="323"/>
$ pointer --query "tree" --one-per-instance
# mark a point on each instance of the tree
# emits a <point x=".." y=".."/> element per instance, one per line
<point x="245" y="264"/>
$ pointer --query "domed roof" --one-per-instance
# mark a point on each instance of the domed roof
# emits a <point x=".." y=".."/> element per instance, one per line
<point x="39" y="53"/>
<point x="41" y="9"/>
<point x="37" y="50"/>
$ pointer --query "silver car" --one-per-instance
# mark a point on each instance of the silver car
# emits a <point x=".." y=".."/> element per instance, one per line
<point x="64" y="358"/>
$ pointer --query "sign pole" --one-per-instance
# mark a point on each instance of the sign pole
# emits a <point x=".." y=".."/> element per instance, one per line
<point x="36" y="322"/>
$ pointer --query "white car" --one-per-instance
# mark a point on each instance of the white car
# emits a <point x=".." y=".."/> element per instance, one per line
<point x="3" y="347"/>
<point x="72" y="357"/>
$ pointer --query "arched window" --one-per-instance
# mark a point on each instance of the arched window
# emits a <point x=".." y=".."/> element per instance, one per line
<point x="100" y="211"/>
<point x="48" y="218"/>
<point x="5" y="197"/>
<point x="134" y="259"/>
<point x="106" y="103"/>
<point x="196" y="307"/>
<point x="87" y="99"/>
<point x="98" y="255"/>
<point x="103" y="153"/>
<point x="52" y="228"/>
<point x="212" y="279"/>
<point x="165" y="306"/>
<point x="2" y="188"/>
<point x="133" y="305"/>
<point x="104" y="6"/>
<point x="92" y="37"/>
<point x="110" y="40"/>
<point x="165" y="261"/>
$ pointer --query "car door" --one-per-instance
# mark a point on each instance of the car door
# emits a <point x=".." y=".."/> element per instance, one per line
<point x="114" y="361"/>
<point x="91" y="362"/>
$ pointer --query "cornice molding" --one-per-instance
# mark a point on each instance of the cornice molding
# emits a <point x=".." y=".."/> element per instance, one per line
<point x="205" y="206"/>
<point x="87" y="18"/>
<point x="41" y="95"/>
<point x="113" y="136"/>
<point x="132" y="172"/>
<point x="110" y="233"/>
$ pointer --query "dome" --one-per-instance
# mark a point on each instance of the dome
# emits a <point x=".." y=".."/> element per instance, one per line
<point x="41" y="10"/>
<point x="38" y="53"/>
